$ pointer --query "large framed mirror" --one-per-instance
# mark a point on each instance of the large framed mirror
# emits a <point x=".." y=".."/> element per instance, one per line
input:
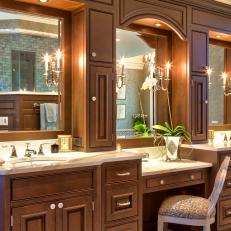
<point x="34" y="72"/>
<point x="219" y="81"/>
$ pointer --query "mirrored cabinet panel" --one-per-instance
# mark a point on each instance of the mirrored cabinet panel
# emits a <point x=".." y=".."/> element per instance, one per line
<point x="31" y="70"/>
<point x="219" y="77"/>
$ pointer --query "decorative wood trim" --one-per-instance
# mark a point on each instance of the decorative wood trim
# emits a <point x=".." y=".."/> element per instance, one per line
<point x="154" y="9"/>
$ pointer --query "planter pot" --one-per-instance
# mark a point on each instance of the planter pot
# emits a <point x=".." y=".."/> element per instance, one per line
<point x="172" y="145"/>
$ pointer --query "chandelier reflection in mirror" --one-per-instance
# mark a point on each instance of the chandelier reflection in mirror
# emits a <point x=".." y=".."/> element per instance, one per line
<point x="53" y="68"/>
<point x="226" y="81"/>
<point x="120" y="73"/>
<point x="158" y="77"/>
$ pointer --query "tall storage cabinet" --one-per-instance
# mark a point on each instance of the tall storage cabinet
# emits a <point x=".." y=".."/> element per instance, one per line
<point x="199" y="85"/>
<point x="93" y="69"/>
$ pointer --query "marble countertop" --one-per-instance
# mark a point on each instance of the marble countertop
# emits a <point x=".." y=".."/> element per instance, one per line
<point x="210" y="146"/>
<point x="154" y="165"/>
<point x="63" y="161"/>
<point x="28" y="93"/>
<point x="159" y="166"/>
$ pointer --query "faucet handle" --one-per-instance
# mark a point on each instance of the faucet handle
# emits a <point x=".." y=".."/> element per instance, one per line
<point x="13" y="152"/>
<point x="27" y="145"/>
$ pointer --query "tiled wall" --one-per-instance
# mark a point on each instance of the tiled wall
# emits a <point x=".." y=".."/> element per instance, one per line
<point x="216" y="95"/>
<point x="40" y="45"/>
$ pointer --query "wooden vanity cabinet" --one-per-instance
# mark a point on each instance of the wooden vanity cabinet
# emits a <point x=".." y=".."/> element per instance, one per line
<point x="60" y="201"/>
<point x="93" y="70"/>
<point x="121" y="196"/>
<point x="199" y="85"/>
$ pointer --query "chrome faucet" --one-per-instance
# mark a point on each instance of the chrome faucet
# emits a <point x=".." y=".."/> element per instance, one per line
<point x="13" y="152"/>
<point x="29" y="152"/>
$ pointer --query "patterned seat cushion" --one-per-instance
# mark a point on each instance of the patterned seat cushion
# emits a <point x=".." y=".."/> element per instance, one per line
<point x="185" y="206"/>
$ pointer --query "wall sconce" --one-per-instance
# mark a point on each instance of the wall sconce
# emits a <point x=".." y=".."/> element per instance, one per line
<point x="53" y="68"/>
<point x="226" y="83"/>
<point x="159" y="77"/>
<point x="120" y="73"/>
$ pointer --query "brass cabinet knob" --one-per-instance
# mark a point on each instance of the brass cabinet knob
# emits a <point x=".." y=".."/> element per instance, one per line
<point x="93" y="54"/>
<point x="60" y="205"/>
<point x="52" y="206"/>
<point x="192" y="177"/>
<point x="162" y="182"/>
<point x="93" y="98"/>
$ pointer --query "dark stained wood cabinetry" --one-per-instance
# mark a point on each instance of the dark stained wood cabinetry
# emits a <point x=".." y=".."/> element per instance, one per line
<point x="59" y="201"/>
<point x="101" y="109"/>
<point x="95" y="74"/>
<point x="199" y="108"/>
<point x="101" y="33"/>
<point x="199" y="86"/>
<point x="35" y="217"/>
<point x="121" y="193"/>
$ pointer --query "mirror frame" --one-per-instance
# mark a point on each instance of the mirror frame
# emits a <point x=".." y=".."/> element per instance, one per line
<point x="66" y="91"/>
<point x="223" y="44"/>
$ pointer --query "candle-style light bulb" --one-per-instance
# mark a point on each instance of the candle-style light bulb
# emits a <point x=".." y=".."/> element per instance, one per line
<point x="168" y="67"/>
<point x="209" y="72"/>
<point x="46" y="60"/>
<point x="224" y="77"/>
<point x="58" y="58"/>
<point x="122" y="62"/>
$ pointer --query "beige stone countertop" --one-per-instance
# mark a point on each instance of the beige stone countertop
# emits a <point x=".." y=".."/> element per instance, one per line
<point x="63" y="161"/>
<point x="159" y="166"/>
<point x="210" y="146"/>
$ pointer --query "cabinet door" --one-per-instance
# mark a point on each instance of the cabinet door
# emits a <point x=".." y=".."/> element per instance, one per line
<point x="199" y="51"/>
<point x="101" y="107"/>
<point x="101" y="36"/>
<point x="199" y="108"/>
<point x="75" y="214"/>
<point x="36" y="217"/>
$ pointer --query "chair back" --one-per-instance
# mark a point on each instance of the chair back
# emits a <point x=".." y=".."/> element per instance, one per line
<point x="218" y="184"/>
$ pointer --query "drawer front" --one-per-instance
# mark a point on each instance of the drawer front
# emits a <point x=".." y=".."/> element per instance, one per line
<point x="121" y="202"/>
<point x="121" y="172"/>
<point x="126" y="227"/>
<point x="227" y="185"/>
<point x="168" y="180"/>
<point x="224" y="208"/>
<point x="44" y="185"/>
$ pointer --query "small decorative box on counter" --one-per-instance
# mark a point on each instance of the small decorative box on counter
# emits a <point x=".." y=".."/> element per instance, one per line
<point x="65" y="143"/>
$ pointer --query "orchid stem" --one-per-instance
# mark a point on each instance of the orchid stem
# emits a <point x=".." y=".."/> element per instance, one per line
<point x="169" y="110"/>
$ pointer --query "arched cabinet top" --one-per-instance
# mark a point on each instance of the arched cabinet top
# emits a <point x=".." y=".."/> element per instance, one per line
<point x="173" y="15"/>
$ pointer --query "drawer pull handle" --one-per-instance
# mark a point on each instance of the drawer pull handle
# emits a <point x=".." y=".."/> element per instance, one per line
<point x="192" y="177"/>
<point x="52" y="206"/>
<point x="123" y="204"/>
<point x="60" y="205"/>
<point x="228" y="183"/>
<point x="93" y="99"/>
<point x="123" y="174"/>
<point x="228" y="212"/>
<point x="162" y="182"/>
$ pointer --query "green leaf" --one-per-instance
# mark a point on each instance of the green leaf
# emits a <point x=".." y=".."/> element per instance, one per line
<point x="162" y="128"/>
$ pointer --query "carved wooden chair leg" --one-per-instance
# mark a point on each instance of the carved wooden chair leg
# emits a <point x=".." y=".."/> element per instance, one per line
<point x="160" y="226"/>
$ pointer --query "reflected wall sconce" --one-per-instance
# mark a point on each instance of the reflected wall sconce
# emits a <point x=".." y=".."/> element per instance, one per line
<point x="53" y="68"/>
<point x="159" y="77"/>
<point x="120" y="70"/>
<point x="226" y="81"/>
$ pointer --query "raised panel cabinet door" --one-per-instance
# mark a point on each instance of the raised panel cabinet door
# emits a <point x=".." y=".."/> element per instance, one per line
<point x="101" y="36"/>
<point x="199" y="51"/>
<point x="199" y="108"/>
<point x="36" y="217"/>
<point x="75" y="214"/>
<point x="101" y="107"/>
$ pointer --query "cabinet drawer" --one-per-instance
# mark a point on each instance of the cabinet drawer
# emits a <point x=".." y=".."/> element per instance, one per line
<point x="121" y="202"/>
<point x="126" y="227"/>
<point x="174" y="179"/>
<point x="227" y="185"/>
<point x="44" y="185"/>
<point x="121" y="172"/>
<point x="224" y="213"/>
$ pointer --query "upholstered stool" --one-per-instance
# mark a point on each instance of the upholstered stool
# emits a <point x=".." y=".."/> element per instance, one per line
<point x="193" y="210"/>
